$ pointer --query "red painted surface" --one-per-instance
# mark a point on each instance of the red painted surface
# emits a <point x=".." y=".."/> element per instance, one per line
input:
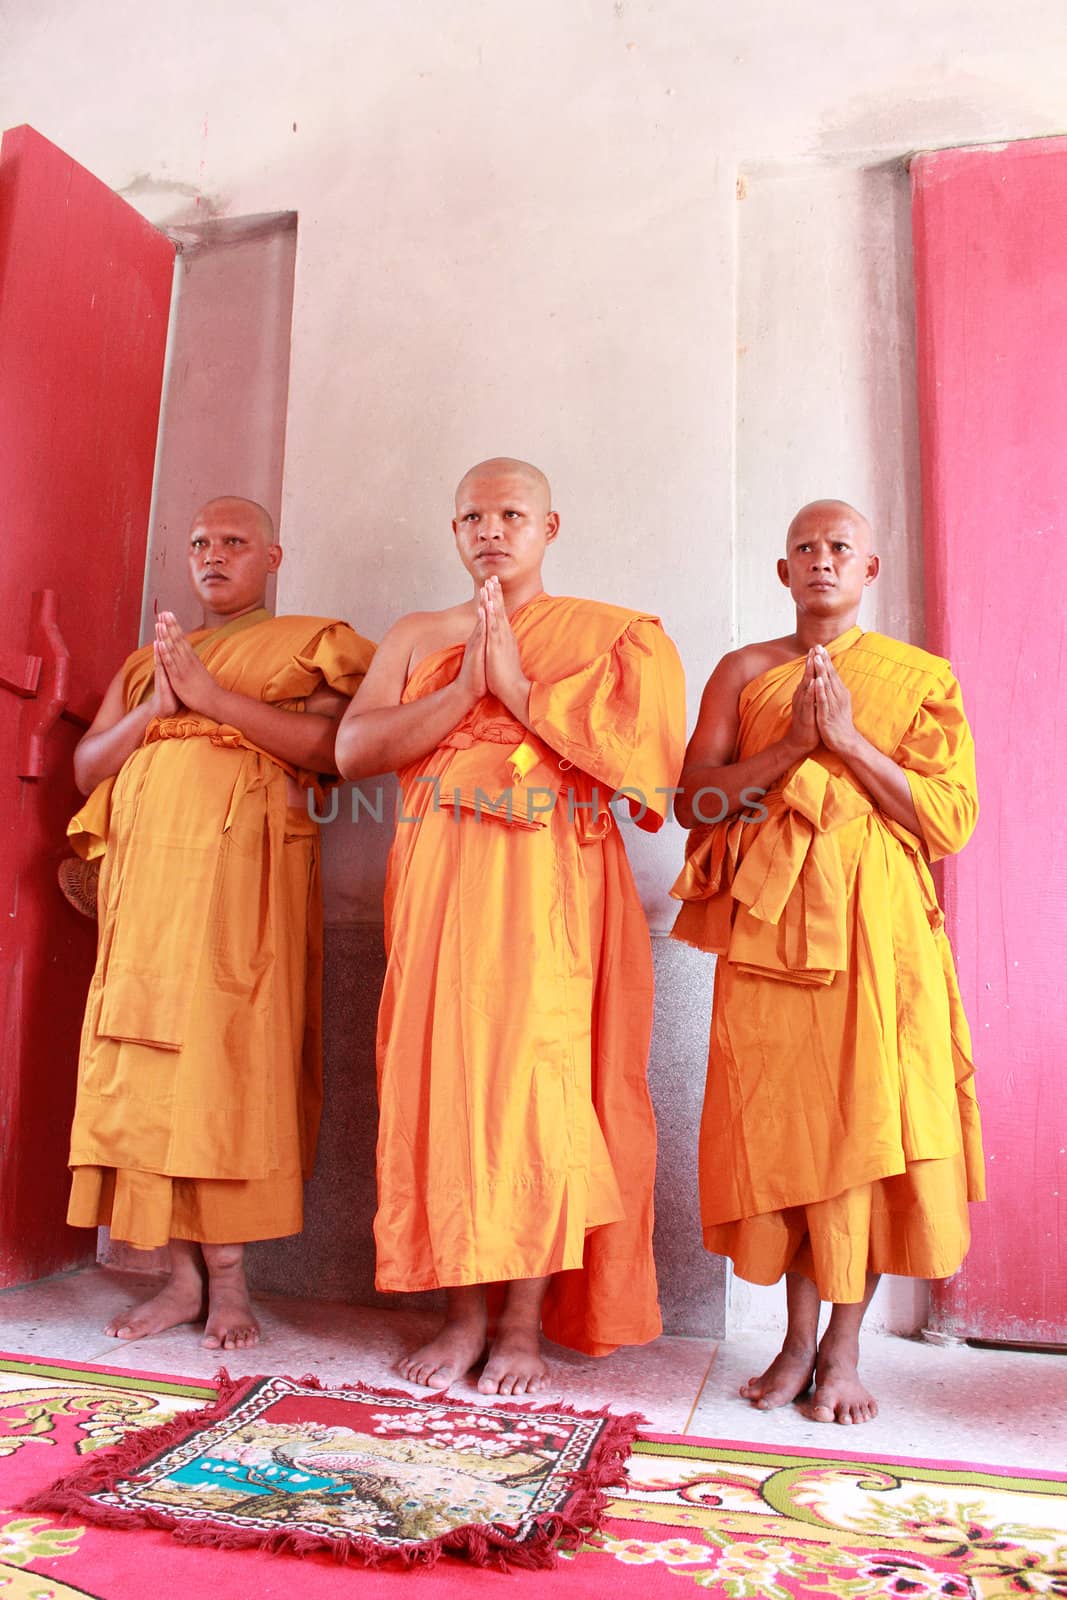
<point x="84" y="299"/>
<point x="991" y="281"/>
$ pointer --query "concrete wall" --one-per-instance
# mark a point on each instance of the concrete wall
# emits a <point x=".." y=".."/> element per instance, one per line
<point x="520" y="230"/>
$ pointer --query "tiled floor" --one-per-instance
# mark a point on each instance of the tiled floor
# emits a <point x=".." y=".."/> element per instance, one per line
<point x="1000" y="1407"/>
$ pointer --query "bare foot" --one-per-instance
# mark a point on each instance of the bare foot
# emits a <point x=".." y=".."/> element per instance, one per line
<point x="788" y="1376"/>
<point x="515" y="1365"/>
<point x="231" y="1322"/>
<point x="180" y="1300"/>
<point x="448" y="1356"/>
<point x="839" y="1395"/>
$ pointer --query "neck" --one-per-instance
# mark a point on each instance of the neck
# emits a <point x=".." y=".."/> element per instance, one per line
<point x="215" y="619"/>
<point x="517" y="594"/>
<point x="822" y="630"/>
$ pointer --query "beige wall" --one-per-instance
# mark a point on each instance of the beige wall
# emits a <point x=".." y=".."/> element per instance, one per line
<point x="520" y="231"/>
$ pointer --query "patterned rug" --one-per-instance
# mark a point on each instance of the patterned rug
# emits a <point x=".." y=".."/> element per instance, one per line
<point x="731" y="1520"/>
<point x="356" y="1472"/>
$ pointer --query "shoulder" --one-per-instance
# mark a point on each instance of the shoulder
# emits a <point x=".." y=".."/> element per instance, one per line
<point x="739" y="667"/>
<point x="561" y="606"/>
<point x="135" y="659"/>
<point x="297" y="623"/>
<point x="897" y="653"/>
<point x="451" y="622"/>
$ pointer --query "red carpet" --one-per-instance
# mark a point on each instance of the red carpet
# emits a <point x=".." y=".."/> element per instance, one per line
<point x="738" y="1521"/>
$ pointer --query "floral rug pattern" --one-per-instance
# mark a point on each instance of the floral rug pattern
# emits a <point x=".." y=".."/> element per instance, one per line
<point x="725" y="1519"/>
<point x="285" y="1464"/>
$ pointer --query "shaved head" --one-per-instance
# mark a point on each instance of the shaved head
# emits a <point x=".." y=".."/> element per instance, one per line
<point x="830" y="512"/>
<point x="252" y="516"/>
<point x="509" y="467"/>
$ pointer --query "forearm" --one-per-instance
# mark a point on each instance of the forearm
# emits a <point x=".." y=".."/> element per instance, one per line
<point x="301" y="738"/>
<point x="100" y="755"/>
<point x="728" y="786"/>
<point x="884" y="780"/>
<point x="515" y="695"/>
<point x="391" y="737"/>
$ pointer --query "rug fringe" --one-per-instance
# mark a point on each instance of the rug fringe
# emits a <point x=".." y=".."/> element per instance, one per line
<point x="480" y="1543"/>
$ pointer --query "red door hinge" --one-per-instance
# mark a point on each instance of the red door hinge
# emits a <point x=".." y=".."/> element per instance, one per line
<point x="52" y="687"/>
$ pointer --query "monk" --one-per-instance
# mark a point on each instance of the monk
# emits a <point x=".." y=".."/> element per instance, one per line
<point x="840" y="1134"/>
<point x="517" y="1144"/>
<point x="199" y="1080"/>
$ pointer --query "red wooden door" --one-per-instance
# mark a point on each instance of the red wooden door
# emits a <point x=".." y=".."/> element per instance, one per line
<point x="991" y="283"/>
<point x="85" y="286"/>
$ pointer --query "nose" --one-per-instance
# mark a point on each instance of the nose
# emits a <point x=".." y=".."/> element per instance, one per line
<point x="492" y="528"/>
<point x="820" y="557"/>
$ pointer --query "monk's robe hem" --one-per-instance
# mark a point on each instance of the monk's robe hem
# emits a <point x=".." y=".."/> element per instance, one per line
<point x="147" y="1209"/>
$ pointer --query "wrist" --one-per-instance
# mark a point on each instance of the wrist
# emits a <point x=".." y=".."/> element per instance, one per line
<point x="460" y="696"/>
<point x="794" y="749"/>
<point x="518" y="699"/>
<point x="850" y="746"/>
<point x="218" y="704"/>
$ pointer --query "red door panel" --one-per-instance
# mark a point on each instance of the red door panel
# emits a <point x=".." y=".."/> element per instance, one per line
<point x="991" y="286"/>
<point x="85" y="286"/>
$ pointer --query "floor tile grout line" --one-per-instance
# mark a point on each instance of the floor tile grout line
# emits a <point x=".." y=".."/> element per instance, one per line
<point x="701" y="1388"/>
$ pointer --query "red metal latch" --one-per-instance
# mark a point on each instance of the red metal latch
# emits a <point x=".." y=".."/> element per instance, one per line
<point x="49" y="685"/>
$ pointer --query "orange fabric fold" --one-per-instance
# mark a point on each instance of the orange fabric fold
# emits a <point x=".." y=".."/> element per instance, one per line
<point x="516" y="1136"/>
<point x="839" y="1051"/>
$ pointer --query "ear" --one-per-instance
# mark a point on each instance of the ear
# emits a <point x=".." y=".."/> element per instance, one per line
<point x="783" y="572"/>
<point x="274" y="557"/>
<point x="551" y="526"/>
<point x="455" y="527"/>
<point x="874" y="566"/>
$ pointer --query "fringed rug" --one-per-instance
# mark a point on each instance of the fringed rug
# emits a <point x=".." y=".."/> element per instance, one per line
<point x="360" y="1473"/>
<point x="730" y="1520"/>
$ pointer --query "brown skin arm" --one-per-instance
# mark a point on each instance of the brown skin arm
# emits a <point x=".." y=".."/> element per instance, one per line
<point x="378" y="734"/>
<point x="882" y="777"/>
<point x="708" y="758"/>
<point x="116" y="733"/>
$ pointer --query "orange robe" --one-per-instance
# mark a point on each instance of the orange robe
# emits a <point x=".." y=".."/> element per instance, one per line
<point x="200" y="1078"/>
<point x="840" y="1130"/>
<point x="515" y="1021"/>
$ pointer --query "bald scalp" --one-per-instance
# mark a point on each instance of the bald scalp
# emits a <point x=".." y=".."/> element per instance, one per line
<point x="832" y="512"/>
<point x="509" y="467"/>
<point x="248" y="513"/>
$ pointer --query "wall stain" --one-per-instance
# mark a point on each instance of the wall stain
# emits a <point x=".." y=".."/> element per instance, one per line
<point x="144" y="184"/>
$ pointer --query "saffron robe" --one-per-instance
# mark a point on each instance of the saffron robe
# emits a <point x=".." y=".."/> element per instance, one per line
<point x="840" y="1130"/>
<point x="200" y="1077"/>
<point x="516" y="1136"/>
